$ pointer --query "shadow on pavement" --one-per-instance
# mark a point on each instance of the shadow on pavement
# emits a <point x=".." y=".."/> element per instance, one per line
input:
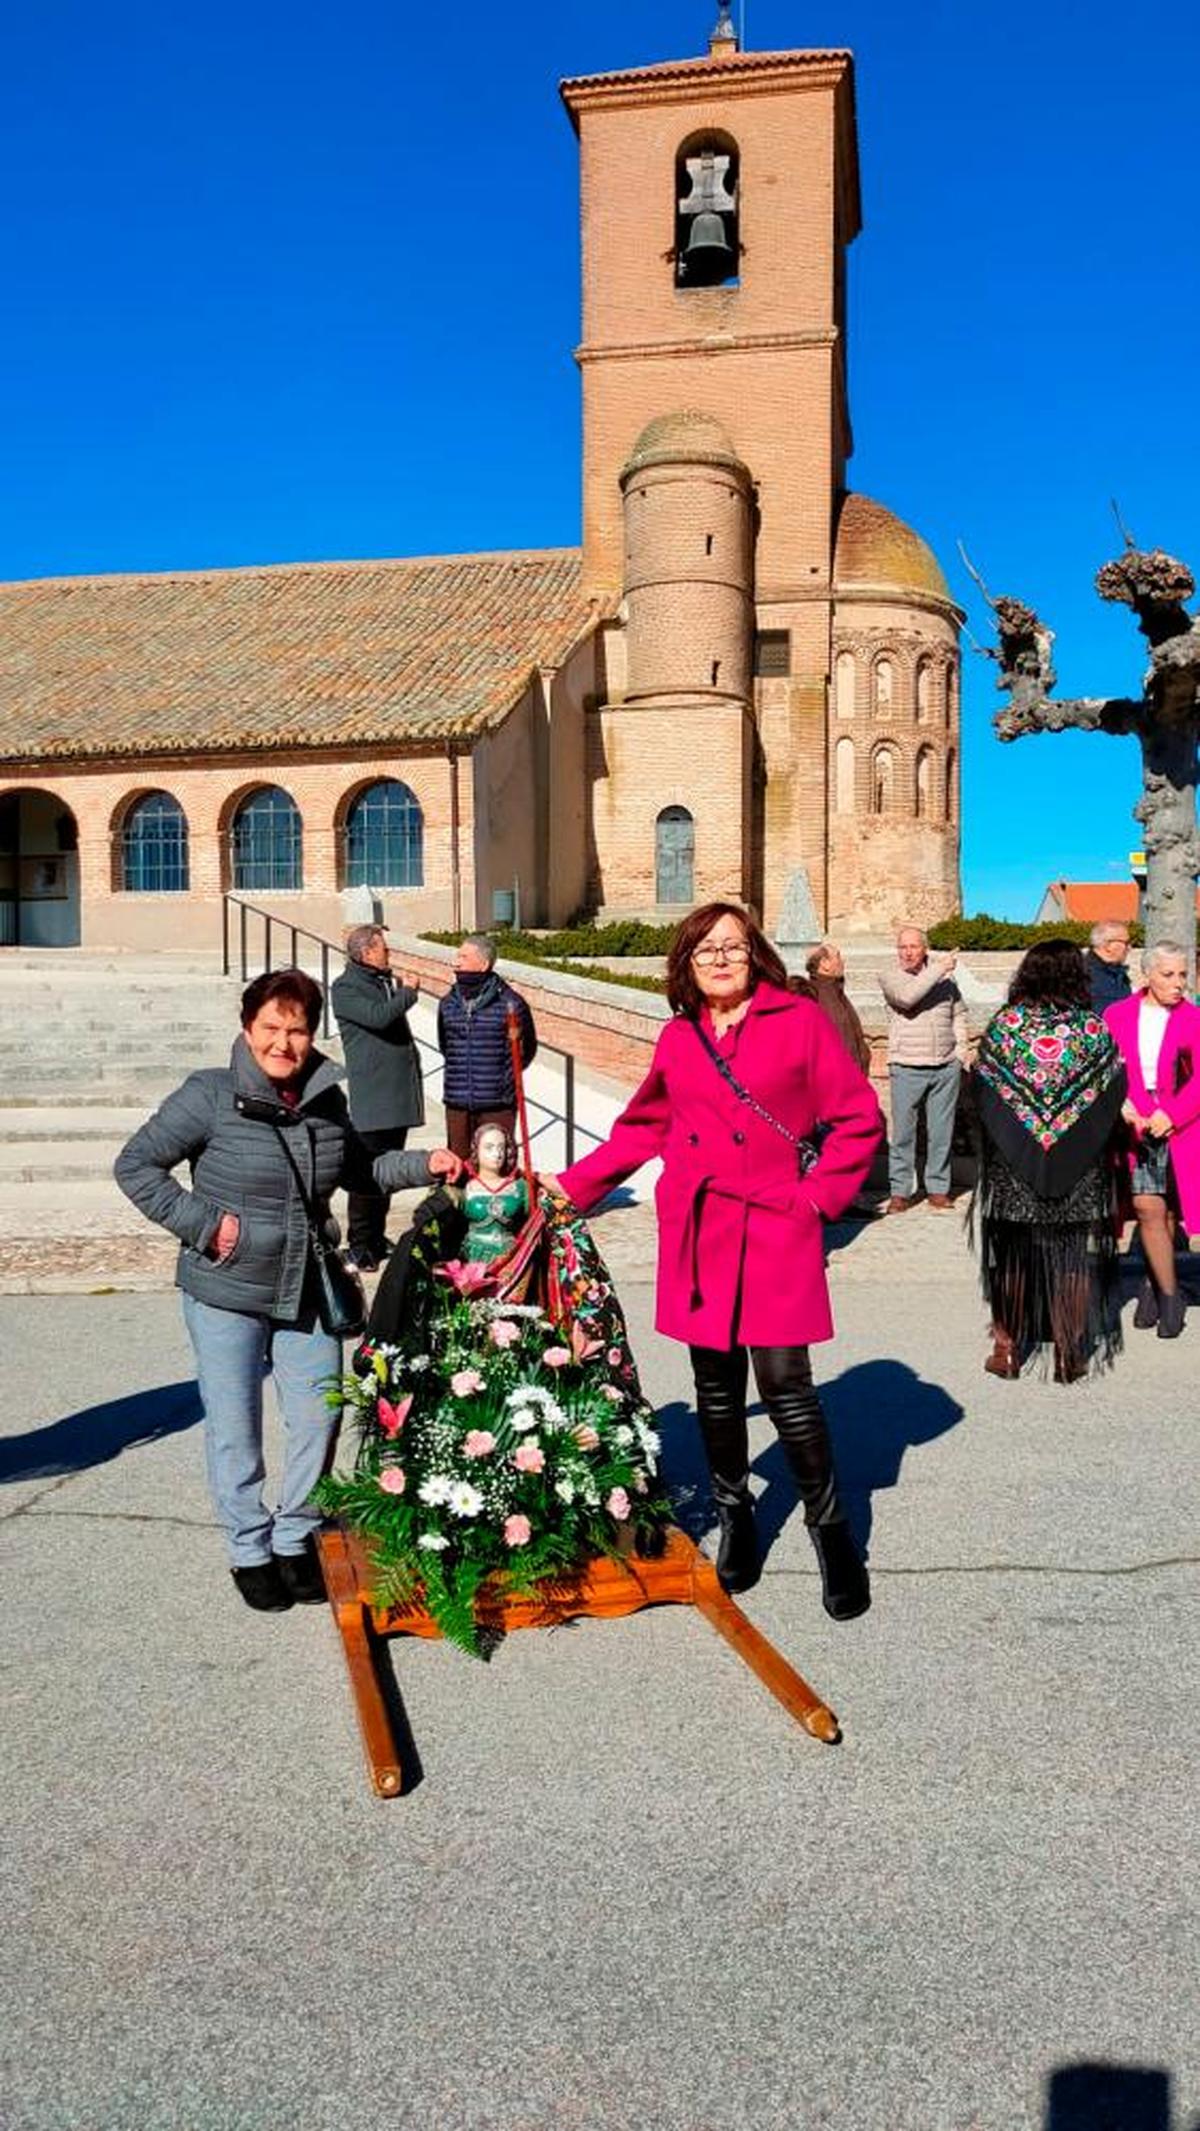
<point x="1108" y="2097"/>
<point x="99" y="1433"/>
<point x="876" y="1411"/>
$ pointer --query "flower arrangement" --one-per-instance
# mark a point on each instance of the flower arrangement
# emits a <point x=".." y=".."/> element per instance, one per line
<point x="499" y="1447"/>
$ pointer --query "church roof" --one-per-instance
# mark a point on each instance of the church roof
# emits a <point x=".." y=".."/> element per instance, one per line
<point x="685" y="434"/>
<point x="290" y="655"/>
<point x="876" y="551"/>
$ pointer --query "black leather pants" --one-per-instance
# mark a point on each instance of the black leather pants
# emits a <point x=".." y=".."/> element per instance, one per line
<point x="785" y="1383"/>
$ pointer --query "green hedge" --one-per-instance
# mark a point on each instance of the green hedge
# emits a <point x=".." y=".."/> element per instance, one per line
<point x="628" y="936"/>
<point x="983" y="934"/>
<point x="522" y="947"/>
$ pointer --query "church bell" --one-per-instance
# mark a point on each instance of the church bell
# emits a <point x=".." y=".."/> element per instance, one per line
<point x="708" y="254"/>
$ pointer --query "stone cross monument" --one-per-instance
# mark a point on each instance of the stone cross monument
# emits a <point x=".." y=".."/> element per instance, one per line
<point x="1166" y="720"/>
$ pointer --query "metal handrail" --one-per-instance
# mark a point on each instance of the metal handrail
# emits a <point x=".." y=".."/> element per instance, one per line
<point x="272" y="924"/>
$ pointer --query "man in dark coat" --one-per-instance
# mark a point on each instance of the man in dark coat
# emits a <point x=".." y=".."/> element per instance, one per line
<point x="383" y="1067"/>
<point x="478" y="1085"/>
<point x="1105" y="961"/>
<point x="827" y="975"/>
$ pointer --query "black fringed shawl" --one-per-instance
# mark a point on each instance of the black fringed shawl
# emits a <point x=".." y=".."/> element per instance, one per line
<point x="1049" y="1083"/>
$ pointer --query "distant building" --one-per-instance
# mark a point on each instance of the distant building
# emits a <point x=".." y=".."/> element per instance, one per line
<point x="1092" y="902"/>
<point x="745" y="682"/>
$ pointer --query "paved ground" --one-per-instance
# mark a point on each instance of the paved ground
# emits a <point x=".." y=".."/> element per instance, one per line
<point x="628" y="1891"/>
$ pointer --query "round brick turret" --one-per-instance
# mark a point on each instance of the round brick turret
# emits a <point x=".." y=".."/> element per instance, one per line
<point x="689" y="564"/>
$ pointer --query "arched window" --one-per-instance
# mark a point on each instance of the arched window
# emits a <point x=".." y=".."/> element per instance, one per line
<point x="843" y="776"/>
<point x="384" y="838"/>
<point x="952" y="692"/>
<point x="674" y="856"/>
<point x="924" y="690"/>
<point x="154" y="846"/>
<point x="923" y="792"/>
<point x="707" y="250"/>
<point x="265" y="841"/>
<point x="951" y="785"/>
<point x="844" y="676"/>
<point x="884" y="686"/>
<point x="883" y="780"/>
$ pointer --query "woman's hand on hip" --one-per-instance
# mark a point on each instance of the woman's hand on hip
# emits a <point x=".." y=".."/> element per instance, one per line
<point x="228" y="1229"/>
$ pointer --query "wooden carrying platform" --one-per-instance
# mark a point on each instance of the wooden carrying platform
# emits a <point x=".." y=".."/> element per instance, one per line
<point x="682" y="1575"/>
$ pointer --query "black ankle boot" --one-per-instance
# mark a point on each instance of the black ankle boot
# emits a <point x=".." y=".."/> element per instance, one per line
<point x="739" y="1562"/>
<point x="1171" y="1310"/>
<point x="1145" y="1317"/>
<point x="845" y="1585"/>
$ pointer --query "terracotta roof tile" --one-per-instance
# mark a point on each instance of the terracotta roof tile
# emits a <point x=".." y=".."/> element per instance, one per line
<point x="1091" y="902"/>
<point x="296" y="655"/>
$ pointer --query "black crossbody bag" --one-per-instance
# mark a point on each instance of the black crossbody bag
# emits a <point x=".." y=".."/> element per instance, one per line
<point x="341" y="1302"/>
<point x="808" y="1151"/>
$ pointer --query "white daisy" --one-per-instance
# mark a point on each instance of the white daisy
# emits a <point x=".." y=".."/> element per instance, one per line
<point x="435" y="1490"/>
<point x="433" y="1542"/>
<point x="464" y="1500"/>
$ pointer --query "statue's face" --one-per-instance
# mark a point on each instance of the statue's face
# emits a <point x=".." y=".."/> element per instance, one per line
<point x="1166" y="981"/>
<point x="491" y="1149"/>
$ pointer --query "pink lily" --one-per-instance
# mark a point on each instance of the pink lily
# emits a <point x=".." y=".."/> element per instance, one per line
<point x="392" y="1418"/>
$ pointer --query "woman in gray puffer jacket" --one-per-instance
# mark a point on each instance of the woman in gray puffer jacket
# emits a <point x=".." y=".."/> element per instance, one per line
<point x="253" y="1132"/>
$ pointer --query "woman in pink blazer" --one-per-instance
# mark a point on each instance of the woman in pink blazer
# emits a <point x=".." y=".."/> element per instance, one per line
<point x="1158" y="1034"/>
<point x="765" y="1127"/>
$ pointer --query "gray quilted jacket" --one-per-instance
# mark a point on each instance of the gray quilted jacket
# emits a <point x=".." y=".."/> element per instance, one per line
<point x="222" y="1123"/>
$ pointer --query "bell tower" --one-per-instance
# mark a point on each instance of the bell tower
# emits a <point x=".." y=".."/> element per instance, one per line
<point x="718" y="196"/>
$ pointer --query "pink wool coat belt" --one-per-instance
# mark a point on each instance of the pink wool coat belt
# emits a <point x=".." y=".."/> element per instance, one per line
<point x="741" y="1257"/>
<point x="1179" y="1062"/>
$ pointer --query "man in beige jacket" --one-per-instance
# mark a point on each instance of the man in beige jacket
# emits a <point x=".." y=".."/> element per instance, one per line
<point x="927" y="1049"/>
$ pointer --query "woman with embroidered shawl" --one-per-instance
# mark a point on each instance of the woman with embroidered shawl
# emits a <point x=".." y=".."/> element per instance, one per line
<point x="1049" y="1085"/>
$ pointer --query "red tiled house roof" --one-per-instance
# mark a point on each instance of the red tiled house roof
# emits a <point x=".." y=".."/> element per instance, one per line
<point x="296" y="655"/>
<point x="1091" y="902"/>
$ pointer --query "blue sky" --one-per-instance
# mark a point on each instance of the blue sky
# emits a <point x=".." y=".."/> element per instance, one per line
<point x="296" y="282"/>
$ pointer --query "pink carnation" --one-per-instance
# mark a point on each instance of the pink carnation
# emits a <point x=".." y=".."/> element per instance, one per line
<point x="392" y="1480"/>
<point x="617" y="1505"/>
<point x="527" y="1457"/>
<point x="392" y="1418"/>
<point x="517" y="1531"/>
<point x="465" y="1381"/>
<point x="504" y="1332"/>
<point x="478" y="1443"/>
<point x="587" y="1438"/>
<point x="557" y="1357"/>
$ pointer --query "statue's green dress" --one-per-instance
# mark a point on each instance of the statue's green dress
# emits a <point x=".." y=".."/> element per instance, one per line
<point x="494" y="1218"/>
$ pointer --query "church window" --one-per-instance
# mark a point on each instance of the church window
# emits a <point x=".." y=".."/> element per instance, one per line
<point x="707" y="250"/>
<point x="883" y="780"/>
<point x="925" y="680"/>
<point x="674" y="856"/>
<point x="844" y="684"/>
<point x="843" y="776"/>
<point x="951" y="785"/>
<point x="384" y="838"/>
<point x="952" y="692"/>
<point x="265" y="841"/>
<point x="773" y="654"/>
<point x="924" y="784"/>
<point x="154" y="846"/>
<point x="884" y="682"/>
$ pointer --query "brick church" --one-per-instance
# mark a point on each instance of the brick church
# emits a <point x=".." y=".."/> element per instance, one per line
<point x="745" y="682"/>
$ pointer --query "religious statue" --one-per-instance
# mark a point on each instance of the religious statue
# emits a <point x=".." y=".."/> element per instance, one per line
<point x="495" y="1198"/>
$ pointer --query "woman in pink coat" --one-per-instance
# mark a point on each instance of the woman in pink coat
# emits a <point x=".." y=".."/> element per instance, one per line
<point x="765" y="1127"/>
<point x="1158" y="1035"/>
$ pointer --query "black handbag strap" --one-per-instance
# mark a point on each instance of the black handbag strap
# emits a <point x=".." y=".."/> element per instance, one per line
<point x="728" y="1075"/>
<point x="315" y="1229"/>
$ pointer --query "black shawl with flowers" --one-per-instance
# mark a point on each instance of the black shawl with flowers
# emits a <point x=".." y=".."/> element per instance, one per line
<point x="1049" y="1084"/>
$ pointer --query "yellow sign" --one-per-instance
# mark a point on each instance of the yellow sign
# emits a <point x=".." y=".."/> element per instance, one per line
<point x="1137" y="861"/>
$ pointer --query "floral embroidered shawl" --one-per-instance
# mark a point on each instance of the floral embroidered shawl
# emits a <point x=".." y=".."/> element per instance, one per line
<point x="1049" y="1084"/>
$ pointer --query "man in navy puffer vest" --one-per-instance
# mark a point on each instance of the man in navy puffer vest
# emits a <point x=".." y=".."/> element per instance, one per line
<point x="477" y="1086"/>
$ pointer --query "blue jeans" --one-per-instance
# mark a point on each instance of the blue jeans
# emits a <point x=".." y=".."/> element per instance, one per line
<point x="234" y="1352"/>
<point x="937" y="1088"/>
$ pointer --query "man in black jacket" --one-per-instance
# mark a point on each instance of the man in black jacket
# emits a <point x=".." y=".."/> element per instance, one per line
<point x="383" y="1067"/>
<point x="477" y="1086"/>
<point x="1105" y="960"/>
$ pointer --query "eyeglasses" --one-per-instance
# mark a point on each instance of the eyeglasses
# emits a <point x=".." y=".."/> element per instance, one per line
<point x="706" y="956"/>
